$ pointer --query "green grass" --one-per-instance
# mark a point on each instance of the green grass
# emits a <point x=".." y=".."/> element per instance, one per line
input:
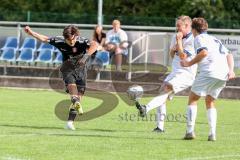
<point x="30" y="130"/>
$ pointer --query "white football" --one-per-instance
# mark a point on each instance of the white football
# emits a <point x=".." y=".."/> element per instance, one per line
<point x="135" y="92"/>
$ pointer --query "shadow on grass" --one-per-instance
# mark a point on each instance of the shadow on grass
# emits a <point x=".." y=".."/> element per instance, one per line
<point x="30" y="127"/>
<point x="94" y="133"/>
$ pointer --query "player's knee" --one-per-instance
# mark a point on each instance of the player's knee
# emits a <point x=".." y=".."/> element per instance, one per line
<point x="193" y="98"/>
<point x="118" y="51"/>
<point x="81" y="90"/>
<point x="209" y="102"/>
<point x="167" y="88"/>
<point x="74" y="99"/>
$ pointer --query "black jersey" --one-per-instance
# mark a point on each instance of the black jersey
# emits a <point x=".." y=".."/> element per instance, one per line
<point x="79" y="49"/>
<point x="103" y="35"/>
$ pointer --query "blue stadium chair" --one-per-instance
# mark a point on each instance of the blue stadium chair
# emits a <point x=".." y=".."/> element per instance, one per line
<point x="29" y="43"/>
<point x="58" y="59"/>
<point x="46" y="46"/>
<point x="11" y="42"/>
<point x="9" y="54"/>
<point x="103" y="58"/>
<point x="56" y="49"/>
<point x="26" y="55"/>
<point x="45" y="56"/>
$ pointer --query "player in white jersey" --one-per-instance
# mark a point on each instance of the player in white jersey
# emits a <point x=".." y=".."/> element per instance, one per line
<point x="215" y="67"/>
<point x="182" y="47"/>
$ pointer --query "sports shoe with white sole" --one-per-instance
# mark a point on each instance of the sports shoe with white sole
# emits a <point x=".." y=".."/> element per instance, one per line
<point x="78" y="107"/>
<point x="189" y="136"/>
<point x="212" y="137"/>
<point x="70" y="126"/>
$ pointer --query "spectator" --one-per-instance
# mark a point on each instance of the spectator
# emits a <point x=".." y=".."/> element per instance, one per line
<point x="99" y="36"/>
<point x="116" y="43"/>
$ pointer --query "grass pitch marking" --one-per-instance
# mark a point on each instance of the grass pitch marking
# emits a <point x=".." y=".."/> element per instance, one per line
<point x="212" y="157"/>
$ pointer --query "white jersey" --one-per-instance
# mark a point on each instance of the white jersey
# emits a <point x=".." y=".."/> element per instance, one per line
<point x="215" y="63"/>
<point x="188" y="47"/>
<point x="116" y="37"/>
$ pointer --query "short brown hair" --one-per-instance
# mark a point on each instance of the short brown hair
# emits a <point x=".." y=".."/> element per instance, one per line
<point x="199" y="24"/>
<point x="70" y="31"/>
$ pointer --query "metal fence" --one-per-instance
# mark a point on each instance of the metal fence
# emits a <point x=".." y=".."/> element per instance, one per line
<point x="149" y="44"/>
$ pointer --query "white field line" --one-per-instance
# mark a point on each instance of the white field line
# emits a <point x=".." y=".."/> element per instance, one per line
<point x="234" y="133"/>
<point x="12" y="158"/>
<point x="212" y="157"/>
<point x="22" y="135"/>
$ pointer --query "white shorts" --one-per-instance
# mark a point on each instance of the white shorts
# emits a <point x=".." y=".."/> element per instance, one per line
<point x="204" y="86"/>
<point x="179" y="81"/>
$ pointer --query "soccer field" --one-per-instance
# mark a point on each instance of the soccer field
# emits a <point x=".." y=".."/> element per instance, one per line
<point x="30" y="130"/>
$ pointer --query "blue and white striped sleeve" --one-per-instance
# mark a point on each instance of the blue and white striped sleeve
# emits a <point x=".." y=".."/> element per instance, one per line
<point x="200" y="44"/>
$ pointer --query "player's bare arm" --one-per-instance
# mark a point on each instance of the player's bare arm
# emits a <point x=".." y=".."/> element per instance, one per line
<point x="179" y="37"/>
<point x="93" y="47"/>
<point x="203" y="53"/>
<point x="230" y="61"/>
<point x="36" y="35"/>
<point x="172" y="51"/>
<point x="180" y="49"/>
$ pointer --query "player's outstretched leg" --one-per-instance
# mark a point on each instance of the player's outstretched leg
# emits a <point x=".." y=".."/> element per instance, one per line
<point x="157" y="101"/>
<point x="141" y="109"/>
<point x="154" y="103"/>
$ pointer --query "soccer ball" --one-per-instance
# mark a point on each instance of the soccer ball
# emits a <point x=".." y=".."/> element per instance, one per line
<point x="135" y="92"/>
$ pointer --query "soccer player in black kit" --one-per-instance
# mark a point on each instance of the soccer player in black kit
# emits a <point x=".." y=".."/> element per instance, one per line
<point x="76" y="51"/>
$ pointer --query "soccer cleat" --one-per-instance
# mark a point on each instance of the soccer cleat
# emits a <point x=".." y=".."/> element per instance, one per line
<point x="212" y="137"/>
<point x="158" y="130"/>
<point x="189" y="136"/>
<point x="77" y="105"/>
<point x="70" y="126"/>
<point x="71" y="106"/>
<point x="142" y="109"/>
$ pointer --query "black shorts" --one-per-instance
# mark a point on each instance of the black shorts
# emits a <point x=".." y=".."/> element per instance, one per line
<point x="74" y="75"/>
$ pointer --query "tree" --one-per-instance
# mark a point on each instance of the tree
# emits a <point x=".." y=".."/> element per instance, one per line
<point x="219" y="13"/>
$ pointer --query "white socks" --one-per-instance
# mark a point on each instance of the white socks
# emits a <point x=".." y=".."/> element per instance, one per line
<point x="161" y="115"/>
<point x="69" y="122"/>
<point x="212" y="120"/>
<point x="191" y="117"/>
<point x="157" y="101"/>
